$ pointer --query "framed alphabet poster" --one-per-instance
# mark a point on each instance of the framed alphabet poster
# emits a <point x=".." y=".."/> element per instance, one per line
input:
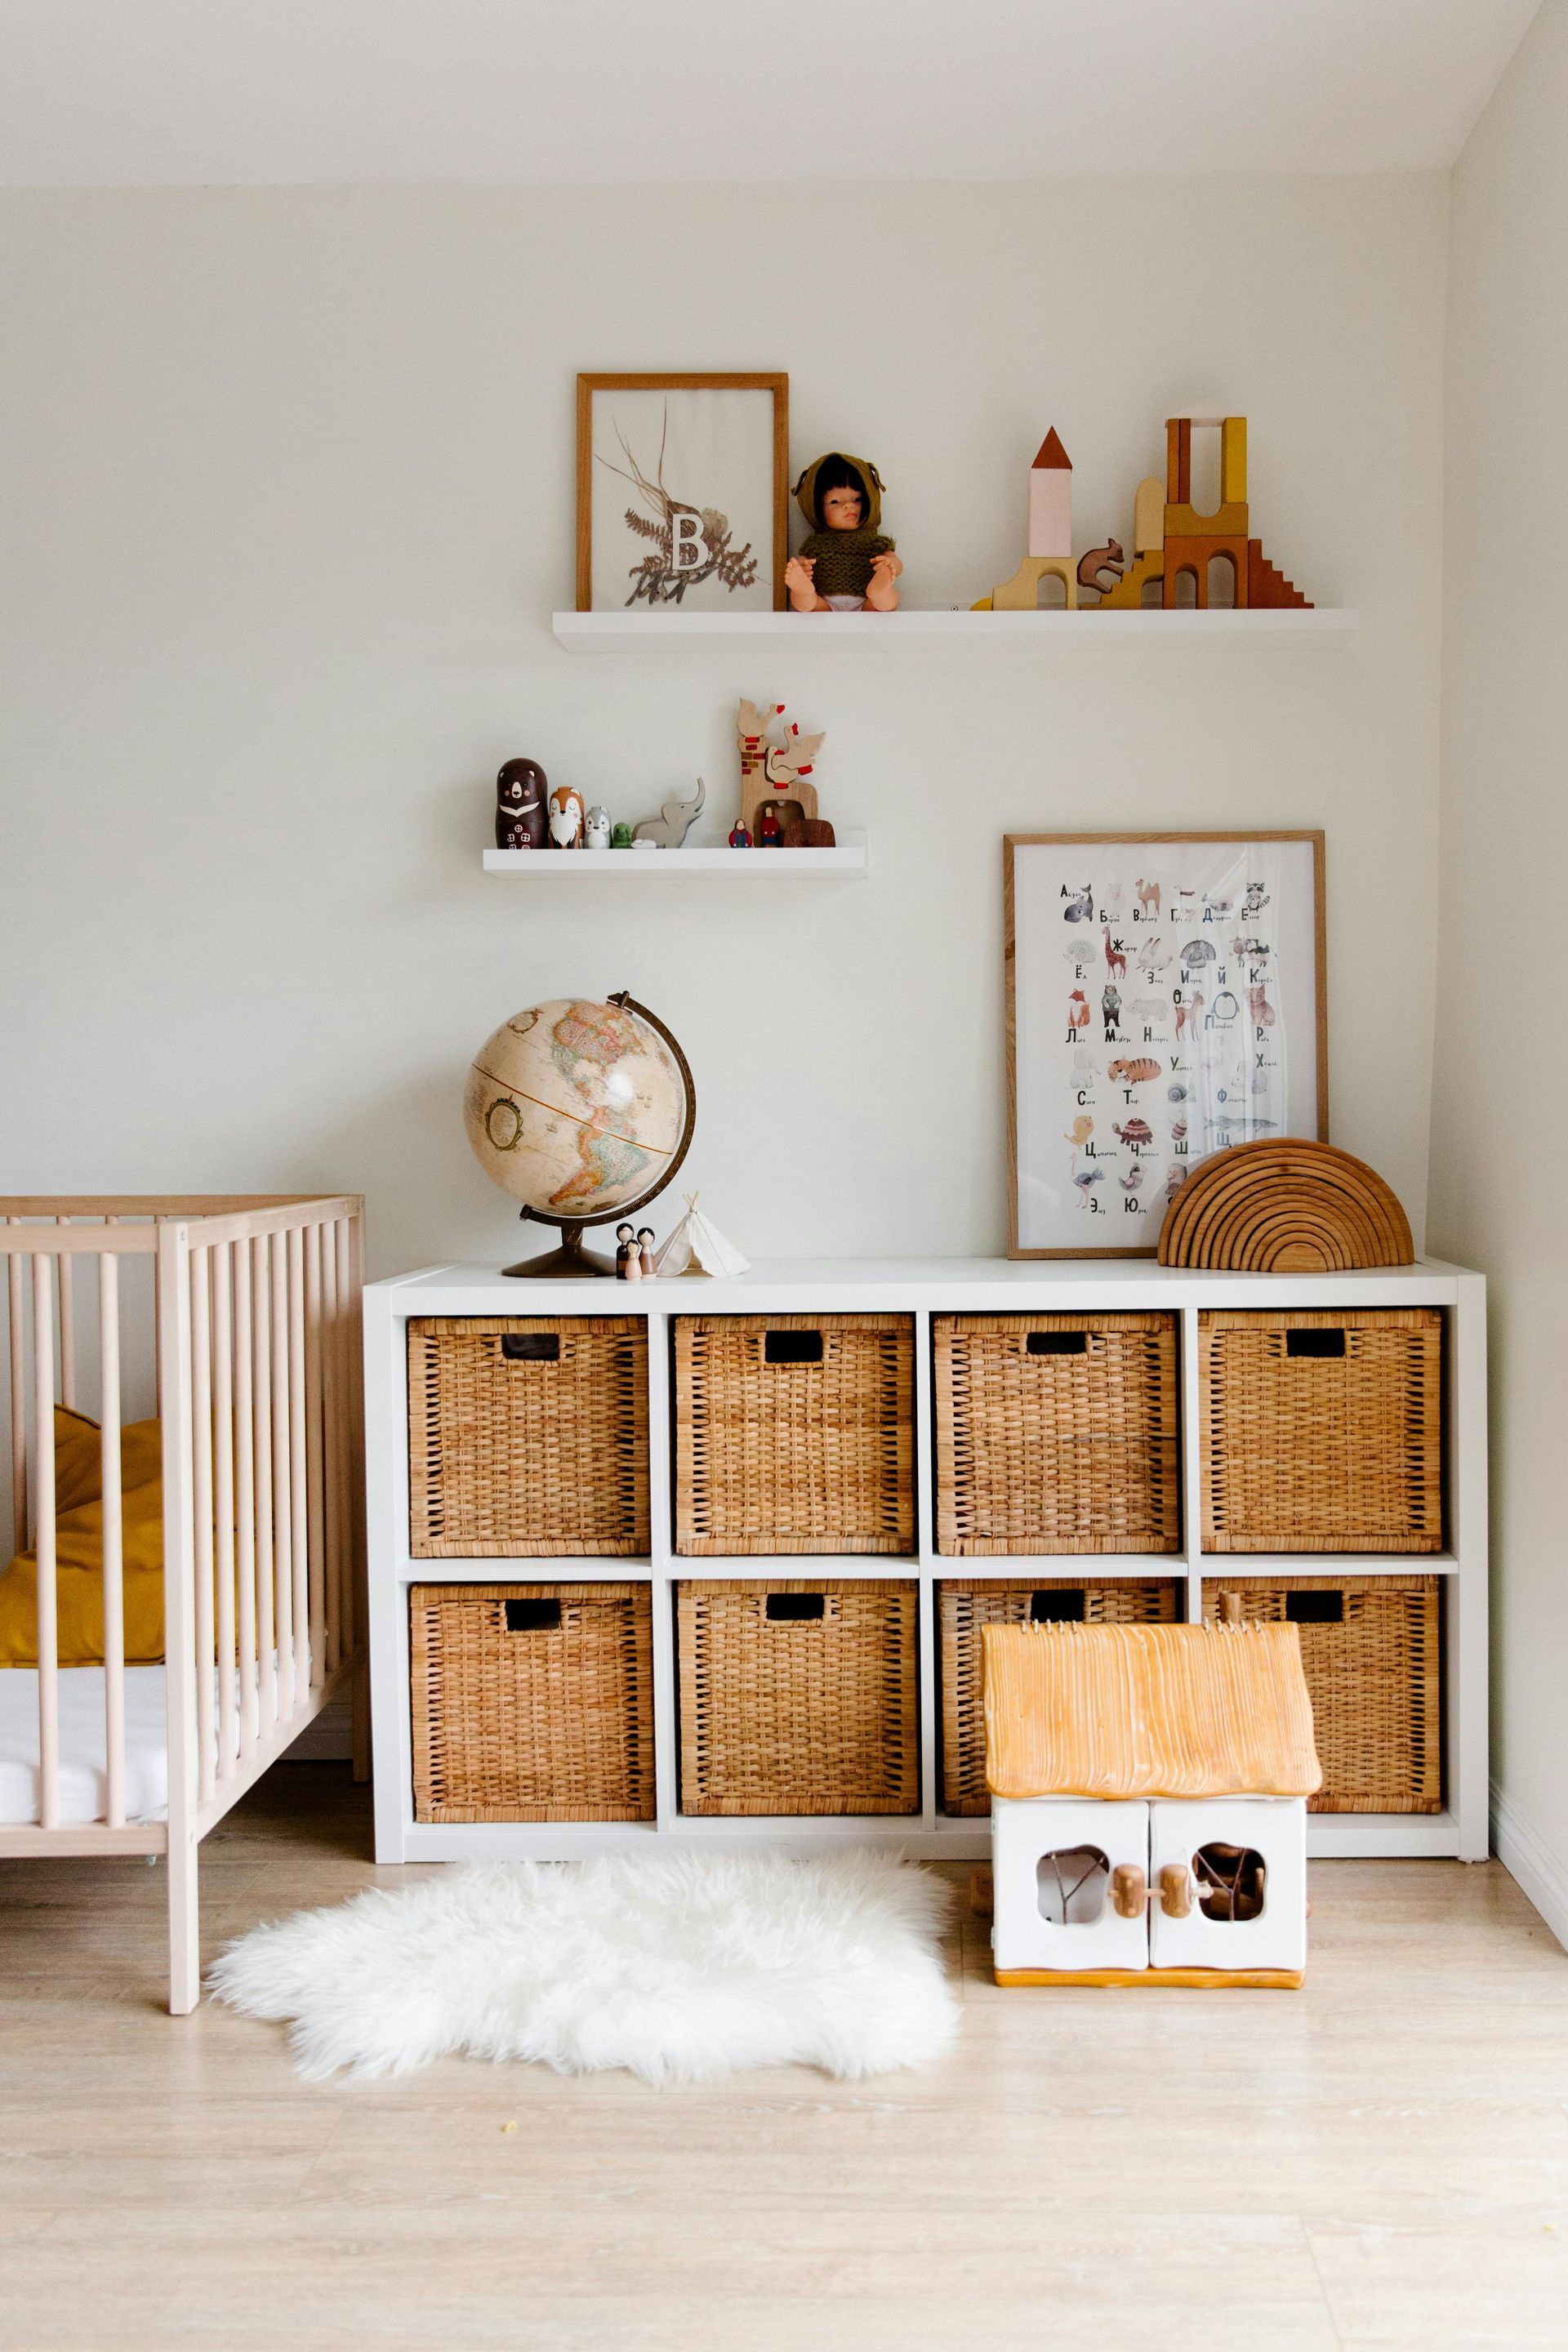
<point x="682" y="493"/>
<point x="1165" y="1001"/>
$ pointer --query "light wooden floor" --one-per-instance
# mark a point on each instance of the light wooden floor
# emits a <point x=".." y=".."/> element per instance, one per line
<point x="1382" y="2160"/>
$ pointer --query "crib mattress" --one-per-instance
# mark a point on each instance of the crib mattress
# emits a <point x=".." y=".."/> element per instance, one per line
<point x="84" y="1784"/>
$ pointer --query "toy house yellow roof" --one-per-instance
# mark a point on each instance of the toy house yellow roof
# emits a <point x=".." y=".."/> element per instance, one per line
<point x="1117" y="1711"/>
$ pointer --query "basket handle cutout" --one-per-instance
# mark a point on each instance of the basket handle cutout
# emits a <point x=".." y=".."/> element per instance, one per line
<point x="531" y="1348"/>
<point x="1058" y="1343"/>
<point x="1314" y="1343"/>
<point x="1314" y="1608"/>
<point x="1064" y="1606"/>
<point x="533" y="1616"/>
<point x="796" y="1608"/>
<point x="791" y="1347"/>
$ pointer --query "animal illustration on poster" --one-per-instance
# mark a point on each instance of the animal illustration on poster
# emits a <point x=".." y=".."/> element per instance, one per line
<point x="1222" y="1022"/>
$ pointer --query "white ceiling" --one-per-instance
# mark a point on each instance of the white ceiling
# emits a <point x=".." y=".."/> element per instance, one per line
<point x="156" y="93"/>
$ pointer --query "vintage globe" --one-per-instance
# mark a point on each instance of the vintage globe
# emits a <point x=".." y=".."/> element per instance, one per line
<point x="581" y="1110"/>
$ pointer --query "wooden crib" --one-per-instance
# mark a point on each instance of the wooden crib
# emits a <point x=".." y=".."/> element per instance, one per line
<point x="240" y="1319"/>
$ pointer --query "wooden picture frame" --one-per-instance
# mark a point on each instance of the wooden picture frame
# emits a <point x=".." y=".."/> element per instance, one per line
<point x="1182" y="919"/>
<point x="680" y="544"/>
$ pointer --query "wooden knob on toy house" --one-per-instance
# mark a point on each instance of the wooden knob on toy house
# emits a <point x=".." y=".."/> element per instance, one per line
<point x="1129" y="1891"/>
<point x="983" y="1892"/>
<point x="1175" y="1890"/>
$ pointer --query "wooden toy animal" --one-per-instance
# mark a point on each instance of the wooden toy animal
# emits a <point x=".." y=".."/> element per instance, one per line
<point x="566" y="817"/>
<point x="1115" y="962"/>
<point x="1109" y="558"/>
<point x="521" y="788"/>
<point x="775" y="760"/>
<point x="1133" y="1073"/>
<point x="675" y="820"/>
<point x="1188" y="1864"/>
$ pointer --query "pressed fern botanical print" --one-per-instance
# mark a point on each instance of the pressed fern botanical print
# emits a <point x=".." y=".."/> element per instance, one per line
<point x="681" y="489"/>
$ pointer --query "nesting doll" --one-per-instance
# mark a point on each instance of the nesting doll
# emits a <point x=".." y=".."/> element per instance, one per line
<point x="566" y="817"/>
<point x="521" y="788"/>
<point x="598" y="822"/>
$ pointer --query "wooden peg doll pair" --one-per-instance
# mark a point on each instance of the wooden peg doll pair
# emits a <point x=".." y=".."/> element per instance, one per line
<point x="634" y="1253"/>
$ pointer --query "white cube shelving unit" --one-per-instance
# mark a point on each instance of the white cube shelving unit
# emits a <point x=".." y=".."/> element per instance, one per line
<point x="920" y="1287"/>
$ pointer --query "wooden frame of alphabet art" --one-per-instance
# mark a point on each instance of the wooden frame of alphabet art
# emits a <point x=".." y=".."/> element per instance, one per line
<point x="1165" y="1000"/>
<point x="682" y="493"/>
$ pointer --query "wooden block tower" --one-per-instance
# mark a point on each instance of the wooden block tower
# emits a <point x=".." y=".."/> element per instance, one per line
<point x="1051" y="533"/>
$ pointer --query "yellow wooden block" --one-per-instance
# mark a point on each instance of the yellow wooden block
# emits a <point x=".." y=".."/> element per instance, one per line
<point x="1127" y="594"/>
<point x="1233" y="462"/>
<point x="1227" y="522"/>
<point x="1020" y="594"/>
<point x="1149" y="516"/>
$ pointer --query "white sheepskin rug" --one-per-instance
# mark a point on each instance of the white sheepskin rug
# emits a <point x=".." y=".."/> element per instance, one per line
<point x="676" y="1966"/>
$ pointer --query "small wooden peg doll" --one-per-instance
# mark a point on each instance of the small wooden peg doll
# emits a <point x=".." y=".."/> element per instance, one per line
<point x="740" y="838"/>
<point x="628" y="1263"/>
<point x="644" y="1247"/>
<point x="768" y="826"/>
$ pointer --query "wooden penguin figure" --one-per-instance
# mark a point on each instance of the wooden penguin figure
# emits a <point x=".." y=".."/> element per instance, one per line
<point x="521" y="788"/>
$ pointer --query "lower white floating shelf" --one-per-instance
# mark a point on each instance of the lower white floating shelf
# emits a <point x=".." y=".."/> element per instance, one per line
<point x="851" y="859"/>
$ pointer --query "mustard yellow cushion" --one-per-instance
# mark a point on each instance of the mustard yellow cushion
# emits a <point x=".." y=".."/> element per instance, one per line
<point x="78" y="1552"/>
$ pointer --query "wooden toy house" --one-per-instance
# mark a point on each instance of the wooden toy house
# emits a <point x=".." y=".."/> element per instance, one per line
<point x="1148" y="1803"/>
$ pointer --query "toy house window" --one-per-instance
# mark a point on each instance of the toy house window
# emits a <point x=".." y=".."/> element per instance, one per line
<point x="1221" y="583"/>
<point x="1231" y="1880"/>
<point x="1185" y="590"/>
<point x="1050" y="592"/>
<point x="1071" y="1885"/>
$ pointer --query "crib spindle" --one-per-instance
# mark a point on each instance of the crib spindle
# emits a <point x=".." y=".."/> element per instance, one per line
<point x="331" y="1499"/>
<point x="244" y="1499"/>
<point x="348" y="1542"/>
<point x="14" y="1282"/>
<point x="314" y="1456"/>
<point x="300" y="1540"/>
<point x="282" y="1476"/>
<point x="202" y="1512"/>
<point x="261" y="1442"/>
<point x="44" y="1487"/>
<point x="64" y="1284"/>
<point x="114" y="1540"/>
<point x="223" y="1504"/>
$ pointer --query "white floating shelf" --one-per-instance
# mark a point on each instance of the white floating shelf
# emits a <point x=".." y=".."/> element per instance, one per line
<point x="848" y="859"/>
<point x="599" y="633"/>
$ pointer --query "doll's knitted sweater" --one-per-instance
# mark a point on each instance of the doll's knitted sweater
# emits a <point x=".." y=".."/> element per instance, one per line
<point x="842" y="560"/>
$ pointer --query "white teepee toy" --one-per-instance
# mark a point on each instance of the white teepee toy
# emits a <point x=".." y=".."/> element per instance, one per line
<point x="697" y="1247"/>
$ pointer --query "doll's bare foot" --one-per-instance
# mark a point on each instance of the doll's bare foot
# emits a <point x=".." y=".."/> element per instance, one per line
<point x="803" y="595"/>
<point x="882" y="590"/>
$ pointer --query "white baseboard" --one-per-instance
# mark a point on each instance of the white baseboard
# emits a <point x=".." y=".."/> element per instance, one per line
<point x="1540" y="1873"/>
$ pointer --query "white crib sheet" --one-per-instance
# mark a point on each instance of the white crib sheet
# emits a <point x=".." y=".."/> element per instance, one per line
<point x="84" y="1785"/>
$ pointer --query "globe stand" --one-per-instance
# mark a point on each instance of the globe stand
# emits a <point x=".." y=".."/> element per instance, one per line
<point x="569" y="1263"/>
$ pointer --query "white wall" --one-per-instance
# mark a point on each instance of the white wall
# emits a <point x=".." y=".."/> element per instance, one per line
<point x="1500" y="1128"/>
<point x="288" y="486"/>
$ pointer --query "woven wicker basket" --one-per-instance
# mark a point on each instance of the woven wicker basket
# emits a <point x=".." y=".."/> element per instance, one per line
<point x="793" y="1433"/>
<point x="799" y="1697"/>
<point x="1372" y="1648"/>
<point x="1055" y="1433"/>
<point x="1322" y="1432"/>
<point x="967" y="1604"/>
<point x="528" y="1437"/>
<point x="531" y="1702"/>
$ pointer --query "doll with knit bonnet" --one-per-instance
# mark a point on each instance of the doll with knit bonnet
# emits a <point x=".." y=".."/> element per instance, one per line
<point x="846" y="565"/>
